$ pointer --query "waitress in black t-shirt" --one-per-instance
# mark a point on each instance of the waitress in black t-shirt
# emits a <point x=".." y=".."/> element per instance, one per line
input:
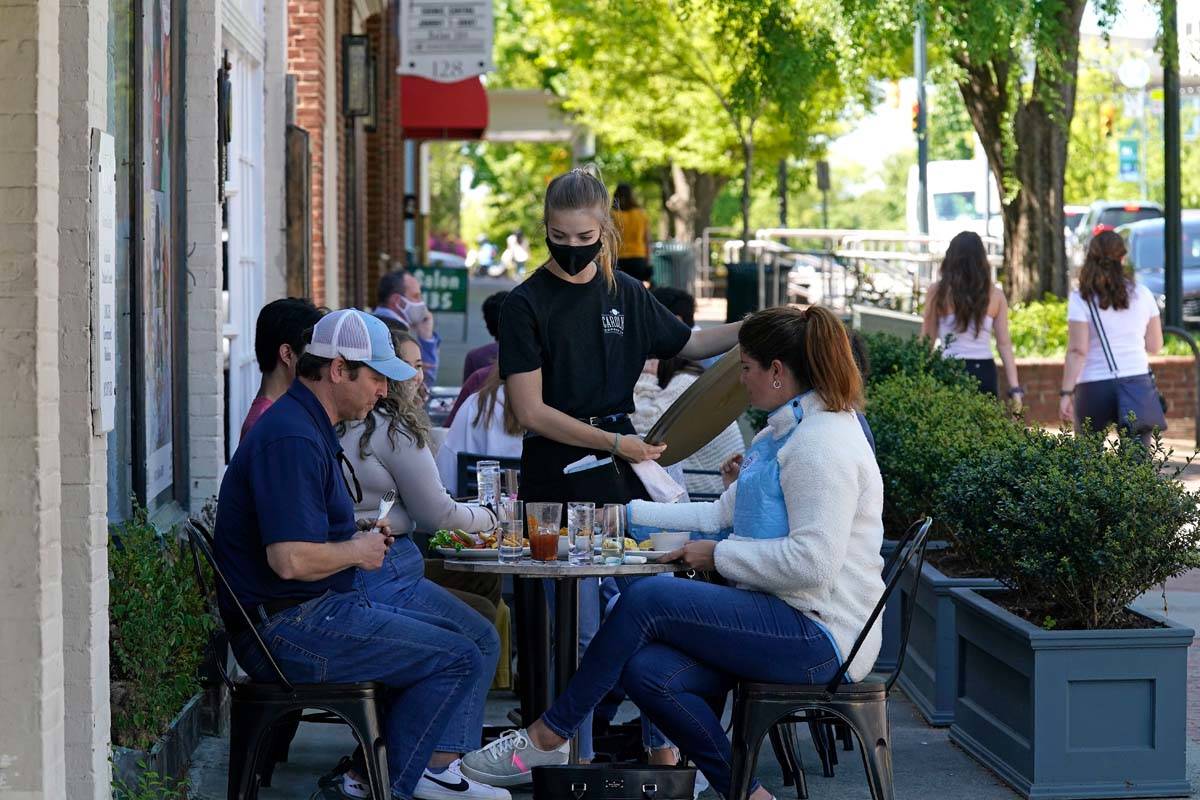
<point x="573" y="339"/>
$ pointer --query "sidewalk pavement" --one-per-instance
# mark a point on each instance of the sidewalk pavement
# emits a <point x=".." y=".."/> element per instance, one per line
<point x="926" y="765"/>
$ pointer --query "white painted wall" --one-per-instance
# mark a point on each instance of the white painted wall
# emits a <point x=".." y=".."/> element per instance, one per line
<point x="32" y="749"/>
<point x="82" y="106"/>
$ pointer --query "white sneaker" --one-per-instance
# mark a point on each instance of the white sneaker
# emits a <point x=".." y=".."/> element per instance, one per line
<point x="509" y="760"/>
<point x="453" y="785"/>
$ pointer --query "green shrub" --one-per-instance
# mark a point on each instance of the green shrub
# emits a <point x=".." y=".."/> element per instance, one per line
<point x="923" y="430"/>
<point x="1075" y="527"/>
<point x="1039" y="330"/>
<point x="891" y="355"/>
<point x="150" y="786"/>
<point x="159" y="628"/>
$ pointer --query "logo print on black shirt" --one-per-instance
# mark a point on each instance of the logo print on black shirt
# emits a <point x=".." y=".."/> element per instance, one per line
<point x="613" y="322"/>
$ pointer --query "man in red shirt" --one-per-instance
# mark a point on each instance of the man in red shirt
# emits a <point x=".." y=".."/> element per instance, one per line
<point x="278" y="345"/>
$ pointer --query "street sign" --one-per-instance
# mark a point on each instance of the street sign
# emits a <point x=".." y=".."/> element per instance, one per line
<point x="444" y="288"/>
<point x="445" y="40"/>
<point x="1128" y="160"/>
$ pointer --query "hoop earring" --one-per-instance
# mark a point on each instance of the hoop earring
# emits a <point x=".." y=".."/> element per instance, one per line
<point x="776" y="385"/>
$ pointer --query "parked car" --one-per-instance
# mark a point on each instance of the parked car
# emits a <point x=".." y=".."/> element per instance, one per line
<point x="1147" y="255"/>
<point x="1107" y="215"/>
<point x="1073" y="215"/>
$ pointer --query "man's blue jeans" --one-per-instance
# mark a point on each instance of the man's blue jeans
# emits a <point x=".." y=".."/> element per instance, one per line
<point x="343" y="638"/>
<point x="677" y="647"/>
<point x="401" y="583"/>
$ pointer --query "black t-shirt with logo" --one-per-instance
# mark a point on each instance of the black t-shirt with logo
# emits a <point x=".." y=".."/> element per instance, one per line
<point x="589" y="342"/>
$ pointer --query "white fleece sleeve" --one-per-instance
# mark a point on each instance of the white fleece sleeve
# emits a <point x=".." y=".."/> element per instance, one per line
<point x="821" y="491"/>
<point x="703" y="517"/>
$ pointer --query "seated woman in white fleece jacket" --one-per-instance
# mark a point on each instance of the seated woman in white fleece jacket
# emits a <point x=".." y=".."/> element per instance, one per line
<point x="802" y="555"/>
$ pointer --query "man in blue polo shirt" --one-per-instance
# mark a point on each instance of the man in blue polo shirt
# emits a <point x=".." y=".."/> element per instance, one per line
<point x="287" y="541"/>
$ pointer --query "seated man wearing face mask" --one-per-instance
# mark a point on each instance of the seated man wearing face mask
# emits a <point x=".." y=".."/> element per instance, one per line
<point x="399" y="298"/>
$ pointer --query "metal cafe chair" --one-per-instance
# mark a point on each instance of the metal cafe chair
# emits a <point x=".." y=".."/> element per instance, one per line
<point x="759" y="707"/>
<point x="256" y="707"/>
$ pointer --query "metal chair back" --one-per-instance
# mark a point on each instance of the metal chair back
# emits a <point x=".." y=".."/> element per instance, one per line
<point x="468" y="471"/>
<point x="909" y="550"/>
<point x="200" y="543"/>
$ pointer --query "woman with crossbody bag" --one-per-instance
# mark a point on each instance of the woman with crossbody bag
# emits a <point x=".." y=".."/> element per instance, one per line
<point x="1113" y="329"/>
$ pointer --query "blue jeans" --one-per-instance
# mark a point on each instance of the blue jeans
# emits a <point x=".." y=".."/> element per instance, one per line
<point x="401" y="583"/>
<point x="652" y="737"/>
<point x="678" y="647"/>
<point x="344" y="638"/>
<point x="589" y="623"/>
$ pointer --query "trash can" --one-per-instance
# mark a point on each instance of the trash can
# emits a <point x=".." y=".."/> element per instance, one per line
<point x="741" y="288"/>
<point x="674" y="265"/>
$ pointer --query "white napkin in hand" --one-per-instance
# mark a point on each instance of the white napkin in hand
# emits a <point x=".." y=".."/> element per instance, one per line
<point x="661" y="486"/>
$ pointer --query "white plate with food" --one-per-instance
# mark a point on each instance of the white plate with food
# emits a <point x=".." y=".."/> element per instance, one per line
<point x="651" y="555"/>
<point x="473" y="553"/>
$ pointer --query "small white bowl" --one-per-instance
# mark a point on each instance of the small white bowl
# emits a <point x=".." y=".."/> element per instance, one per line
<point x="669" y="540"/>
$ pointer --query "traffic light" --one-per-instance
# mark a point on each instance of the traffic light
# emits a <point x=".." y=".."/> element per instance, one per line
<point x="916" y="117"/>
<point x="1108" y="119"/>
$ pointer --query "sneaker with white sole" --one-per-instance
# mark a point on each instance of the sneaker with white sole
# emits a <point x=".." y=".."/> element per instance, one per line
<point x="508" y="761"/>
<point x="451" y="784"/>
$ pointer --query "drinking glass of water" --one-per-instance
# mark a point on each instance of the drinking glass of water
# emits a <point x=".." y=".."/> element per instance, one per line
<point x="581" y="524"/>
<point x="612" y="537"/>
<point x="512" y="478"/>
<point x="512" y="527"/>
<point x="488" y="475"/>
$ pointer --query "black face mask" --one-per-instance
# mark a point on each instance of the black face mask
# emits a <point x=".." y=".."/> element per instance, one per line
<point x="573" y="258"/>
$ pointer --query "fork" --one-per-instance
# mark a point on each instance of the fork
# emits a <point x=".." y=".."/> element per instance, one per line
<point x="385" y="504"/>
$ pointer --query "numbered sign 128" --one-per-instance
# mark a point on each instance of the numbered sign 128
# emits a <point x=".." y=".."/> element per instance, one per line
<point x="444" y="288"/>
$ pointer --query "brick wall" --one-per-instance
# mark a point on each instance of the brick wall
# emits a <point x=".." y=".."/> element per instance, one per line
<point x="384" y="179"/>
<point x="83" y="25"/>
<point x="205" y="314"/>
<point x="32" y="751"/>
<point x="1042" y="379"/>
<point x="306" y="60"/>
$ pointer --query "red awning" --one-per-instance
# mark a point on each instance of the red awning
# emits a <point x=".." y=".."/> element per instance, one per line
<point x="432" y="110"/>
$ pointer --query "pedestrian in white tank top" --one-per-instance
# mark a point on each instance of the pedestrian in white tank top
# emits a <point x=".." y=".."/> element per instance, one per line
<point x="964" y="311"/>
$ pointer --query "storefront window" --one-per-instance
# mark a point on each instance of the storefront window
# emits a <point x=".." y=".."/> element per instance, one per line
<point x="146" y="451"/>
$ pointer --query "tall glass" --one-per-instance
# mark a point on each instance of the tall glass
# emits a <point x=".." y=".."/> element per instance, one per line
<point x="612" y="533"/>
<point x="488" y="475"/>
<point x="512" y="527"/>
<point x="542" y="520"/>
<point x="511" y="478"/>
<point x="581" y="526"/>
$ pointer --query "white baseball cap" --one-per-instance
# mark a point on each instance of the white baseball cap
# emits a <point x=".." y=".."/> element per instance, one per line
<point x="358" y="336"/>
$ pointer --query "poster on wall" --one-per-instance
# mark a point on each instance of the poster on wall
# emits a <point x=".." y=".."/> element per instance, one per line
<point x="158" y="269"/>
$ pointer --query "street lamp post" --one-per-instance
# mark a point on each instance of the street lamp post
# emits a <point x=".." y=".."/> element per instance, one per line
<point x="1173" y="224"/>
<point x="919" y="57"/>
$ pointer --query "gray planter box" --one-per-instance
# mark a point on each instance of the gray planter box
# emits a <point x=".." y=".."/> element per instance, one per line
<point x="889" y="648"/>
<point x="930" y="672"/>
<point x="1066" y="715"/>
<point x="171" y="756"/>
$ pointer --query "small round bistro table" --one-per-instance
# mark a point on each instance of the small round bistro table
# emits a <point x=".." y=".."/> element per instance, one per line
<point x="533" y="620"/>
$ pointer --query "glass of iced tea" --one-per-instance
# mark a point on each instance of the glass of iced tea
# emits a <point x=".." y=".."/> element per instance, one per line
<point x="542" y="520"/>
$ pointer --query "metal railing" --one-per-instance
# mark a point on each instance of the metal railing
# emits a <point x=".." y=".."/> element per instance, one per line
<point x="834" y="266"/>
